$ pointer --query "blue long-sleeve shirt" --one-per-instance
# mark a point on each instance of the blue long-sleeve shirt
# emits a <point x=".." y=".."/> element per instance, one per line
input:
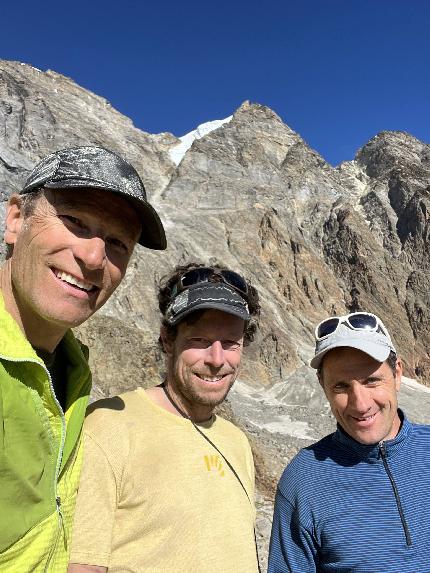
<point x="346" y="507"/>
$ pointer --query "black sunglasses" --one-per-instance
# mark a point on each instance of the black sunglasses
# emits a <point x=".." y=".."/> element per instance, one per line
<point x="205" y="274"/>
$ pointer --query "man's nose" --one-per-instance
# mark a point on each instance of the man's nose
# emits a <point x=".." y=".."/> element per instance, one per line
<point x="92" y="252"/>
<point x="359" y="398"/>
<point x="215" y="354"/>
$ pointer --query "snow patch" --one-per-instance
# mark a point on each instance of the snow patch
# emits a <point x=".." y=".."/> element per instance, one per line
<point x="412" y="383"/>
<point x="257" y="403"/>
<point x="286" y="426"/>
<point x="178" y="151"/>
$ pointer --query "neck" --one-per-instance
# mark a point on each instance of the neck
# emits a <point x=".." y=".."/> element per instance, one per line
<point x="178" y="404"/>
<point x="36" y="330"/>
<point x="173" y="403"/>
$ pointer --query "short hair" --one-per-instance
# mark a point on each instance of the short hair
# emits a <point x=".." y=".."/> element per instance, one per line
<point x="167" y="283"/>
<point x="391" y="361"/>
<point x="30" y="200"/>
<point x="28" y="203"/>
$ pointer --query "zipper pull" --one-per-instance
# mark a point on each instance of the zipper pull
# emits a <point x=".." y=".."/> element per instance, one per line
<point x="60" y="513"/>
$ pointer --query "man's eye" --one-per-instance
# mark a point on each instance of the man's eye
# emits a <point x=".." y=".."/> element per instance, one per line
<point x="230" y="344"/>
<point x="340" y="387"/>
<point x="71" y="220"/>
<point x="199" y="342"/>
<point x="118" y="244"/>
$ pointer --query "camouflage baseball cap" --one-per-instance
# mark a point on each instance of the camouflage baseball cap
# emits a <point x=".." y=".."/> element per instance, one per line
<point x="95" y="167"/>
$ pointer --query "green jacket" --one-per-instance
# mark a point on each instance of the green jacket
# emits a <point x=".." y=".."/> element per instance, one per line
<point x="40" y="452"/>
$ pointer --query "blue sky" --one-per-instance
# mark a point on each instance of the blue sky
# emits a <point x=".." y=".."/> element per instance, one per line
<point x="336" y="71"/>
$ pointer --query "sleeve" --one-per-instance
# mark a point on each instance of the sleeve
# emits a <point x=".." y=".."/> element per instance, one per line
<point x="95" y="508"/>
<point x="292" y="547"/>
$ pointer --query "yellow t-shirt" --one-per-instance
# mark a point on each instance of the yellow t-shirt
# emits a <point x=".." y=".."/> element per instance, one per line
<point x="156" y="497"/>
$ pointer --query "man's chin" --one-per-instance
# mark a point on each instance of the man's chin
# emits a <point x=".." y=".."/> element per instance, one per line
<point x="212" y="399"/>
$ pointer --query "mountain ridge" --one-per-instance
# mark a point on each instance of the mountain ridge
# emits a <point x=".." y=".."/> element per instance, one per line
<point x="315" y="240"/>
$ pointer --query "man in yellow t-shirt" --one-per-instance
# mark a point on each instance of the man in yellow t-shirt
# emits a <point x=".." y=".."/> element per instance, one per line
<point x="168" y="486"/>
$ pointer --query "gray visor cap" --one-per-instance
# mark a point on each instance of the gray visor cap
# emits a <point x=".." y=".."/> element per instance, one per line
<point x="98" y="168"/>
<point x="217" y="296"/>
<point x="375" y="344"/>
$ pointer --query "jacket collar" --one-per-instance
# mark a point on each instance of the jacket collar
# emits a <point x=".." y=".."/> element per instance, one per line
<point x="16" y="348"/>
<point x="13" y="344"/>
<point x="372" y="453"/>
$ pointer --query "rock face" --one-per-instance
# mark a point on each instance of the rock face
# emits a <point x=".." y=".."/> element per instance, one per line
<point x="314" y="239"/>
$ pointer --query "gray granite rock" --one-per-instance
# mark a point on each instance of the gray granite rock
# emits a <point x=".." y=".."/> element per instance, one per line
<point x="315" y="240"/>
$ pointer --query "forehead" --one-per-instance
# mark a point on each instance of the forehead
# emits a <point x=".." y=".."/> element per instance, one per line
<point x="350" y="363"/>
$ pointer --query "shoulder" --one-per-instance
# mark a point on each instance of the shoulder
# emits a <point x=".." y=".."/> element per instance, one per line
<point x="111" y="417"/>
<point x="421" y="432"/>
<point x="309" y="466"/>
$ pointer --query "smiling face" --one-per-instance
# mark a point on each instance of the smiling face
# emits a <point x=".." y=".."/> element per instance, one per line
<point x="203" y="361"/>
<point x="362" y="394"/>
<point x="68" y="257"/>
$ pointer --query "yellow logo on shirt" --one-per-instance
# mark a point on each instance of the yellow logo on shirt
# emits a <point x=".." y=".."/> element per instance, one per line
<point x="214" y="464"/>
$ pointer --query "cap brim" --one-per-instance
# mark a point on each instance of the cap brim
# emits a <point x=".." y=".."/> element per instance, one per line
<point x="207" y="296"/>
<point x="241" y="313"/>
<point x="376" y="351"/>
<point x="152" y="236"/>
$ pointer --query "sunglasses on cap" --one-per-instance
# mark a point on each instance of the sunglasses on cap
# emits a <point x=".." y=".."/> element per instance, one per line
<point x="356" y="321"/>
<point x="205" y="274"/>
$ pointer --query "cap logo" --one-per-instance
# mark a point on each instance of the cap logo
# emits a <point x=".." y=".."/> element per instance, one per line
<point x="180" y="302"/>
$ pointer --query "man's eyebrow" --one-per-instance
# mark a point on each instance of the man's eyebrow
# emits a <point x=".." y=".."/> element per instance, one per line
<point x="374" y="378"/>
<point x="336" y="381"/>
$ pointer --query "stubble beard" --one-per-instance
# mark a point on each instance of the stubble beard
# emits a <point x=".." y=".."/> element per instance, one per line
<point x="191" y="395"/>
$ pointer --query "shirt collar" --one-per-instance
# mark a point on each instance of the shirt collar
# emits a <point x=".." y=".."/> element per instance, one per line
<point x="371" y="453"/>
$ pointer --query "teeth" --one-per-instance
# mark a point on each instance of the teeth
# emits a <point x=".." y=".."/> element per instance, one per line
<point x="211" y="378"/>
<point x="366" y="418"/>
<point x="73" y="281"/>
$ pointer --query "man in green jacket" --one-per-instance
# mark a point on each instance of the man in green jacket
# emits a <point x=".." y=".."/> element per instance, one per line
<point x="70" y="234"/>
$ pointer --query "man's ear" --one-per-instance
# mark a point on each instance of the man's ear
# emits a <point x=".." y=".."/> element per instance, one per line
<point x="166" y="340"/>
<point x="399" y="373"/>
<point x="14" y="219"/>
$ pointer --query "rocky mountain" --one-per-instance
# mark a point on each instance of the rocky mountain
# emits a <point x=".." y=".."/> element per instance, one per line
<point x="251" y="194"/>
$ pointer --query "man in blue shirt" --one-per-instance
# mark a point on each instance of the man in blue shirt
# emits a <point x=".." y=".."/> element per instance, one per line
<point x="357" y="500"/>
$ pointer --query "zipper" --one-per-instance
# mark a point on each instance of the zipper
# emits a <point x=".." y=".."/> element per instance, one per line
<point x="396" y="493"/>
<point x="61" y="517"/>
<point x="60" y="525"/>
